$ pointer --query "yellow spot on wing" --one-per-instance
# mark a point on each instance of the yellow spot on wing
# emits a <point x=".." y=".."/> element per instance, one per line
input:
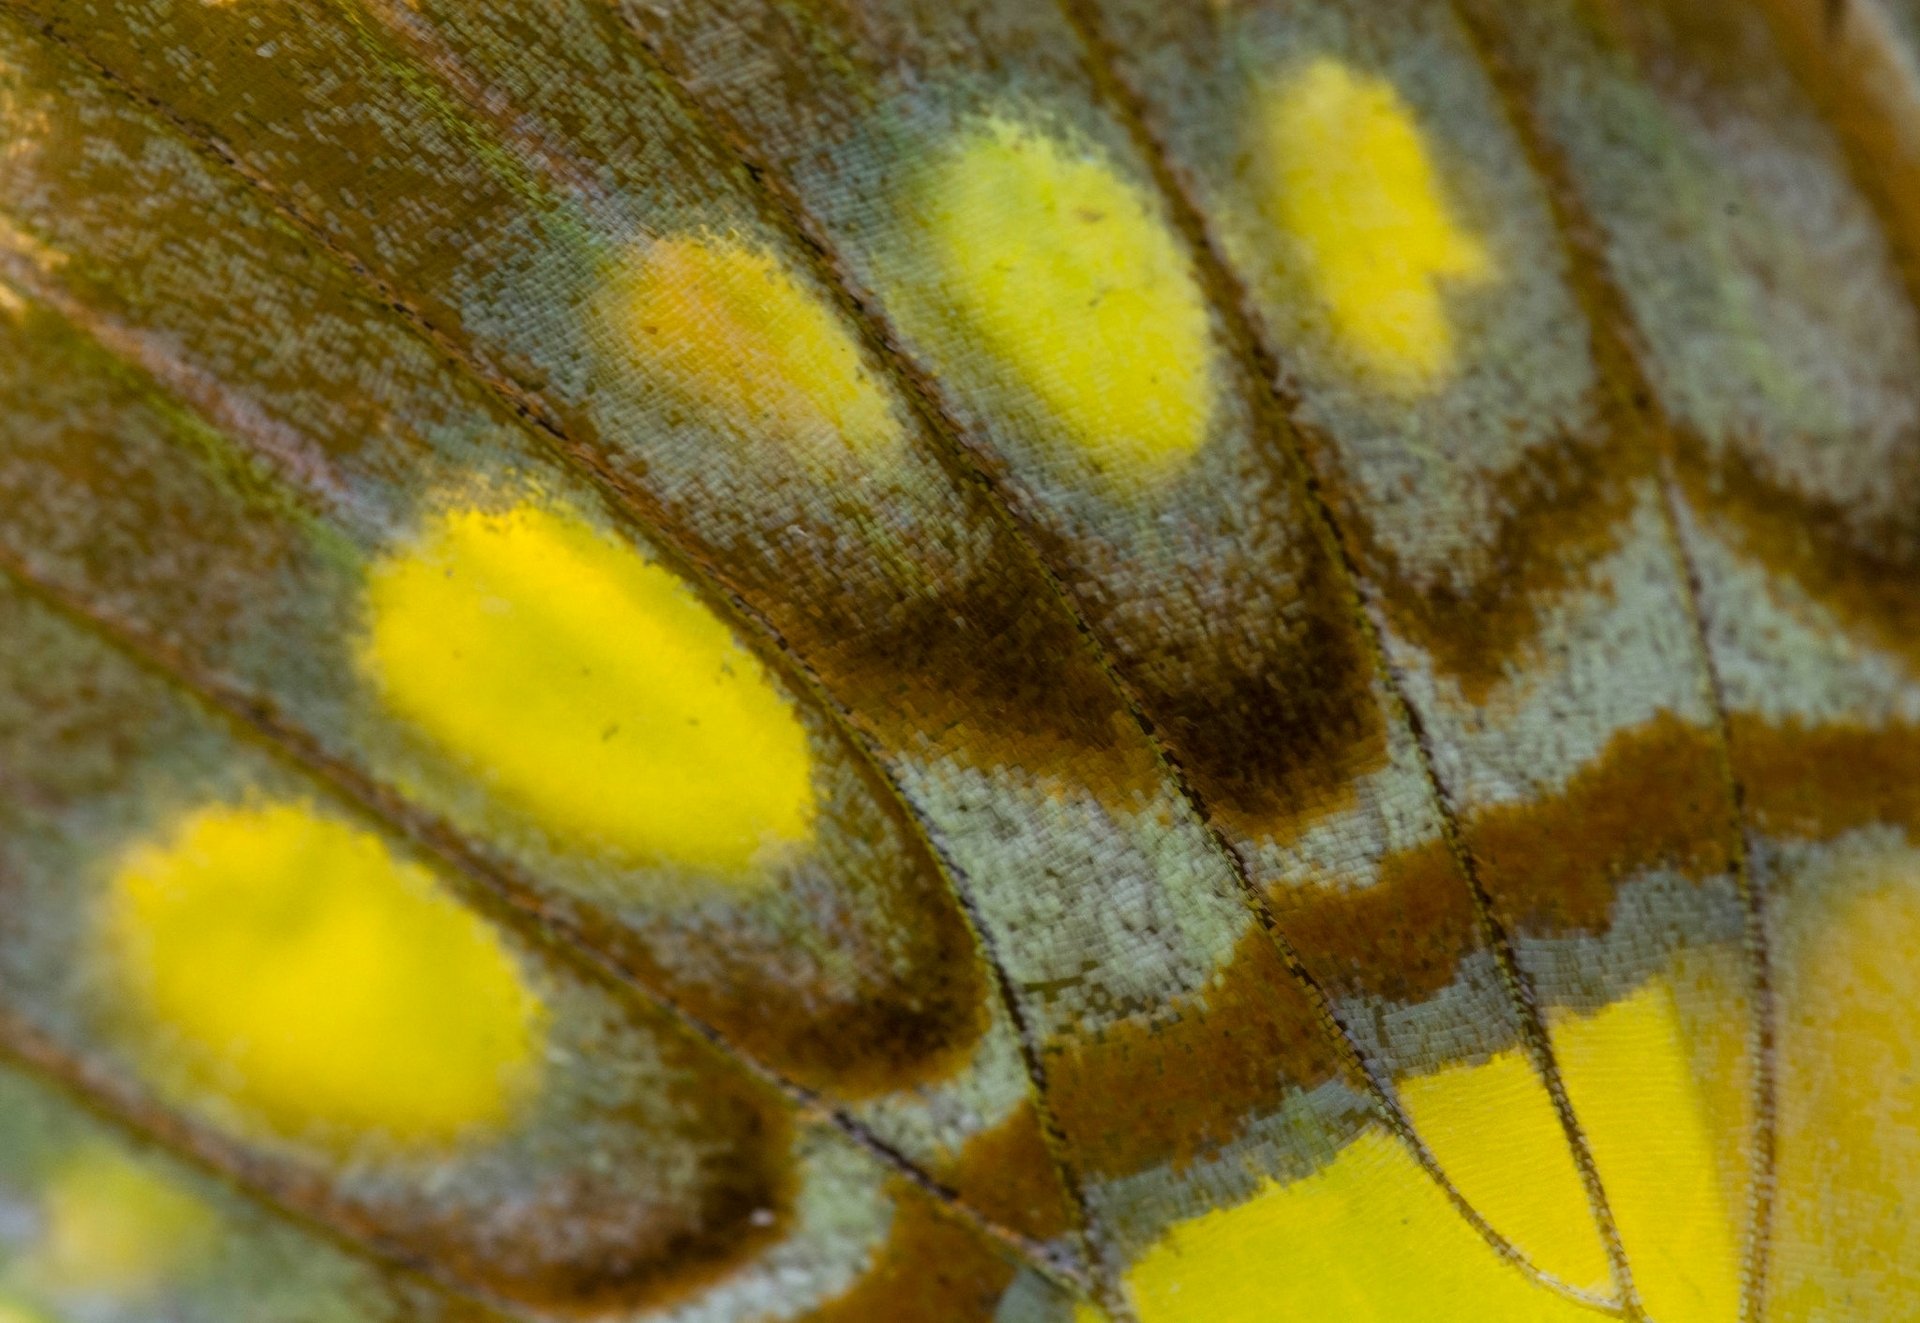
<point x="116" y="1227"/>
<point x="287" y="965"/>
<point x="1069" y="276"/>
<point x="1495" y="1134"/>
<point x="1353" y="188"/>
<point x="1366" y="1239"/>
<point x="1631" y="1075"/>
<point x="1369" y="1237"/>
<point x="591" y="690"/>
<point x="1847" y="1239"/>
<point x="727" y="326"/>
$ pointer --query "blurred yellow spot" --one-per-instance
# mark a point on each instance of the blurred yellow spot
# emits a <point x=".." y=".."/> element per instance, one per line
<point x="1067" y="274"/>
<point x="591" y="690"/>
<point x="727" y="327"/>
<point x="117" y="1227"/>
<point x="1631" y="1076"/>
<point x="1493" y="1130"/>
<point x="1846" y="1237"/>
<point x="286" y="964"/>
<point x="1353" y="188"/>
<point x="1367" y="1239"/>
<point x="15" y="1312"/>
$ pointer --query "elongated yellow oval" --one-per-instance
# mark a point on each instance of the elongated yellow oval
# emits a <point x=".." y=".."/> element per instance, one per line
<point x="726" y="326"/>
<point x="286" y="965"/>
<point x="1070" y="277"/>
<point x="1352" y="186"/>
<point x="590" y="690"/>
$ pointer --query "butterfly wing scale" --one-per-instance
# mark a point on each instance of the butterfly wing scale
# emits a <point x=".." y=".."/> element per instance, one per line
<point x="1299" y="629"/>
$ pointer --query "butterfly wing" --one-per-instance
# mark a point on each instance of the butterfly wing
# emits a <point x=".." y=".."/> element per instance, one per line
<point x="755" y="660"/>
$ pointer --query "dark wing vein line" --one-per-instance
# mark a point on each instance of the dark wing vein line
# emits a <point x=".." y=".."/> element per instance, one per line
<point x="920" y="387"/>
<point x="631" y="509"/>
<point x="1849" y="60"/>
<point x="1277" y="409"/>
<point x="786" y="210"/>
<point x="488" y="885"/>
<point x="878" y="335"/>
<point x="559" y="169"/>
<point x="1625" y="375"/>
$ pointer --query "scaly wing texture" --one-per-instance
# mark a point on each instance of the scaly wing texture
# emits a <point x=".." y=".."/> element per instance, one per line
<point x="758" y="659"/>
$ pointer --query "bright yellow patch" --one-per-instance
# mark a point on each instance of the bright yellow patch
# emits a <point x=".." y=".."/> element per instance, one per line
<point x="1495" y="1134"/>
<point x="1066" y="274"/>
<point x="1644" y="1107"/>
<point x="287" y="965"/>
<point x="1370" y="1237"/>
<point x="591" y="690"/>
<point x="727" y="327"/>
<point x="116" y="1227"/>
<point x="1367" y="1238"/>
<point x="1353" y="188"/>
<point x="14" y="1312"/>
<point x="1846" y="1236"/>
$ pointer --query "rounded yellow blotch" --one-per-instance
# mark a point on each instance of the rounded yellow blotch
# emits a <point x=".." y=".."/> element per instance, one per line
<point x="727" y="327"/>
<point x="1369" y="1238"/>
<point x="287" y="965"/>
<point x="591" y="690"/>
<point x="1067" y="274"/>
<point x="1351" y="185"/>
<point x="13" y="1311"/>
<point x="117" y="1227"/>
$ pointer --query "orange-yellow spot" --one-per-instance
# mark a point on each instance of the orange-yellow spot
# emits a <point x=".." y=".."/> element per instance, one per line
<point x="591" y="691"/>
<point x="1067" y="275"/>
<point x="284" y="966"/>
<point x="728" y="327"/>
<point x="1352" y="187"/>
<point x="116" y="1227"/>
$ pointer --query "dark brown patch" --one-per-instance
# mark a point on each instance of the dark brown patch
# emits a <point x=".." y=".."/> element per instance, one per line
<point x="1814" y="782"/>
<point x="1007" y="1175"/>
<point x="1269" y="710"/>
<point x="931" y="1269"/>
<point x="1560" y="507"/>
<point x="1865" y="569"/>
<point x="909" y="1012"/>
<point x="1142" y="1093"/>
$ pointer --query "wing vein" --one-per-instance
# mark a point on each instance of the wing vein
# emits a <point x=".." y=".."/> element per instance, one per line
<point x="1276" y="409"/>
<point x="1625" y="377"/>
<point x="487" y="882"/>
<point x="919" y="386"/>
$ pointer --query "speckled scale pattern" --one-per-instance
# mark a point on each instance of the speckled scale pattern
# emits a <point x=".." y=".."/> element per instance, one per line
<point x="1029" y="663"/>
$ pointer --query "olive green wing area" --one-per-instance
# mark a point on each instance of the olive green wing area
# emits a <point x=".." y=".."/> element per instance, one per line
<point x="773" y="660"/>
